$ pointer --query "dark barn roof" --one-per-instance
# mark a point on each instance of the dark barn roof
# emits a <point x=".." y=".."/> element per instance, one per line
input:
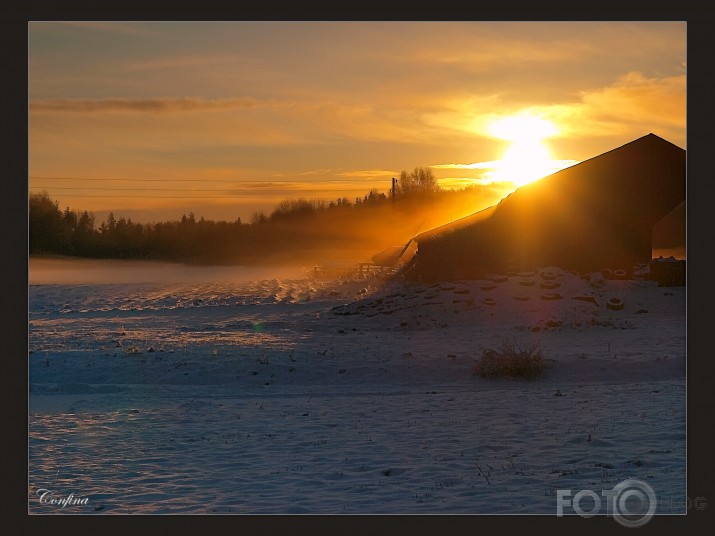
<point x="598" y="213"/>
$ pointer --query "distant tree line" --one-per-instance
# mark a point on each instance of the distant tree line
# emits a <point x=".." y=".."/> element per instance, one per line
<point x="295" y="229"/>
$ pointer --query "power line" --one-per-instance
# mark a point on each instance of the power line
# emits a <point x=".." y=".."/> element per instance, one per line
<point x="156" y="196"/>
<point x="34" y="177"/>
<point x="203" y="190"/>
<point x="127" y="189"/>
<point x="191" y="197"/>
<point x="146" y="180"/>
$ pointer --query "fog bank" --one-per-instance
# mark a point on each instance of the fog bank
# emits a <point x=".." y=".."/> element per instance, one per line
<point x="60" y="270"/>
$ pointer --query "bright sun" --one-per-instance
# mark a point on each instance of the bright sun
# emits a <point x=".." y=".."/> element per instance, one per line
<point x="527" y="158"/>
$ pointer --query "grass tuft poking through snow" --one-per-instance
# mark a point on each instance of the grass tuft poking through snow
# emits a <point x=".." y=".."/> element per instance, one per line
<point x="511" y="362"/>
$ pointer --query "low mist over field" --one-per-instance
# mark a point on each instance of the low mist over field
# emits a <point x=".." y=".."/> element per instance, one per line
<point x="46" y="271"/>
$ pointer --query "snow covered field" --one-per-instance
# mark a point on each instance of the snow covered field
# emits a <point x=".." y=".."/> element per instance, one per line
<point x="226" y="390"/>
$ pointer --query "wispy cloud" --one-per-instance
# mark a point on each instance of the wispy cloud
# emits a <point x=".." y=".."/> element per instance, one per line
<point x="500" y="53"/>
<point x="197" y="122"/>
<point x="493" y="164"/>
<point x="368" y="173"/>
<point x="162" y="105"/>
<point x="636" y="98"/>
<point x="184" y="61"/>
<point x="108" y="26"/>
<point x="630" y="103"/>
<point x="315" y="172"/>
<point x="633" y="105"/>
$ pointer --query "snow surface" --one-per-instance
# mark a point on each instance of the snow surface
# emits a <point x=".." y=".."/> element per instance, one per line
<point x="226" y="392"/>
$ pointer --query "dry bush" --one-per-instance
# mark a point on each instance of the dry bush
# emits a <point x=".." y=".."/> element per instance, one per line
<point x="510" y="362"/>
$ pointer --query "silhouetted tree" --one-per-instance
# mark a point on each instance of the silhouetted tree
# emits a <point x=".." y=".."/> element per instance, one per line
<point x="296" y="208"/>
<point x="70" y="218"/>
<point x="374" y="197"/>
<point x="259" y="218"/>
<point x="83" y="242"/>
<point x="418" y="181"/>
<point x="46" y="226"/>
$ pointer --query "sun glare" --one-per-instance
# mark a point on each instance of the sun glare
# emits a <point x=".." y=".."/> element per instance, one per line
<point x="527" y="158"/>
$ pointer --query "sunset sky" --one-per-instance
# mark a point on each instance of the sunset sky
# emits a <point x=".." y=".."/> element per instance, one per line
<point x="152" y="120"/>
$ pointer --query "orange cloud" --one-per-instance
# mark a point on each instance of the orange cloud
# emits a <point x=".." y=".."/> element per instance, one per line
<point x="633" y="105"/>
<point x="369" y="173"/>
<point x="635" y="98"/>
<point x="504" y="52"/>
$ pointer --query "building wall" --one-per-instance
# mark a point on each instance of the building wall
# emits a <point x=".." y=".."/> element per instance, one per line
<point x="669" y="234"/>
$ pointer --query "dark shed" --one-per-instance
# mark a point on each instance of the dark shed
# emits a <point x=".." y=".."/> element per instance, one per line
<point x="598" y="213"/>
